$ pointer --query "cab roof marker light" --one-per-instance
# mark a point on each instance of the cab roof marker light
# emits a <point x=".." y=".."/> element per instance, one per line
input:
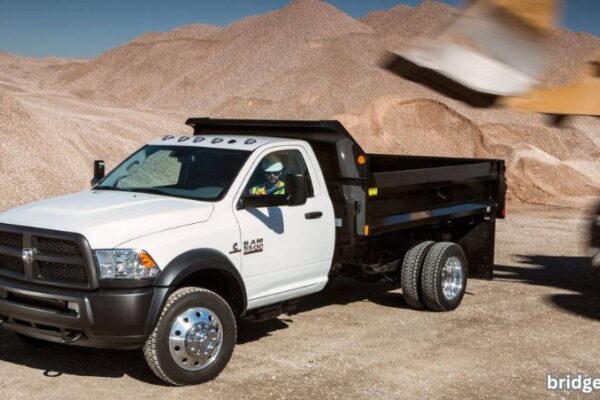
<point x="232" y="141"/>
<point x="217" y="140"/>
<point x="198" y="139"/>
<point x="250" y="141"/>
<point x="168" y="137"/>
<point x="182" y="139"/>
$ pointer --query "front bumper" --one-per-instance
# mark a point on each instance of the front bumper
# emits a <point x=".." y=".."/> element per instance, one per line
<point x="115" y="318"/>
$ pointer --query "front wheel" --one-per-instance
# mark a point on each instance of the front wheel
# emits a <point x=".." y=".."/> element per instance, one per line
<point x="194" y="338"/>
<point x="444" y="277"/>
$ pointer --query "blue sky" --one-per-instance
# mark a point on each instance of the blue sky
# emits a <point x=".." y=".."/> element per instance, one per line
<point x="85" y="28"/>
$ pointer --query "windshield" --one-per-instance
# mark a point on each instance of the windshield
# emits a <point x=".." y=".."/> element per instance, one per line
<point x="190" y="172"/>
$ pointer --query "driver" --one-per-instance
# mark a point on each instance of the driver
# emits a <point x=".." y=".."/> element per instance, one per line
<point x="272" y="167"/>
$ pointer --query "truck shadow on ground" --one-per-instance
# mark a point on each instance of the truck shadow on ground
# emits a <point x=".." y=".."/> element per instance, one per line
<point x="56" y="361"/>
<point x="341" y="291"/>
<point x="574" y="274"/>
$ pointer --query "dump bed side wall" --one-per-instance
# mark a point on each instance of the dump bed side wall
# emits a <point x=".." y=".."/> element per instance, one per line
<point x="406" y="191"/>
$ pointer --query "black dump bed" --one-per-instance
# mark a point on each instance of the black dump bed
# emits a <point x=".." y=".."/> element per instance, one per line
<point x="404" y="191"/>
<point x="375" y="194"/>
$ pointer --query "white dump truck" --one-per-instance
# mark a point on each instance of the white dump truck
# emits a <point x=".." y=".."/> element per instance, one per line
<point x="190" y="234"/>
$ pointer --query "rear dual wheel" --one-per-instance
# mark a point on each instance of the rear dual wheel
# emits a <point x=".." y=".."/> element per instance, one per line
<point x="434" y="275"/>
<point x="412" y="268"/>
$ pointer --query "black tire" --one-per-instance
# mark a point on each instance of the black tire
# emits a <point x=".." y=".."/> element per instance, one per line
<point x="157" y="351"/>
<point x="431" y="277"/>
<point x="410" y="274"/>
<point x="34" y="342"/>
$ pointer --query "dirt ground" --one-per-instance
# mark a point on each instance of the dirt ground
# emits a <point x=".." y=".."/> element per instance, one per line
<point x="540" y="315"/>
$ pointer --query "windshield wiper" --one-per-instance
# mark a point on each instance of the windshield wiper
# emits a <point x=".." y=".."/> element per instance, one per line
<point x="107" y="188"/>
<point x="144" y="190"/>
<point x="139" y="190"/>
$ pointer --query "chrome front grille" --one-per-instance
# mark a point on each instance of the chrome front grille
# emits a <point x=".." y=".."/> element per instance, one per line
<point x="47" y="245"/>
<point x="61" y="272"/>
<point x="12" y="263"/>
<point x="11" y="239"/>
<point x="59" y="258"/>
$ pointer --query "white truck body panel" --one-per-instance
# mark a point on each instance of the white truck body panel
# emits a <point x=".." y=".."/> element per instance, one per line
<point x="108" y="218"/>
<point x="296" y="252"/>
<point x="220" y="232"/>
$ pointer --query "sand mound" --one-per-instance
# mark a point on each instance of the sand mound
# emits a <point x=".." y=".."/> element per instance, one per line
<point x="302" y="20"/>
<point x="566" y="53"/>
<point x="13" y="114"/>
<point x="564" y="144"/>
<point x="388" y="20"/>
<point x="408" y="21"/>
<point x="536" y="177"/>
<point x="33" y="73"/>
<point x="415" y="126"/>
<point x="186" y="32"/>
<point x="230" y="62"/>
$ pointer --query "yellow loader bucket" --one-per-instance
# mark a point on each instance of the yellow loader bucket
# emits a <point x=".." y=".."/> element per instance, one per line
<point x="538" y="14"/>
<point x="580" y="98"/>
<point x="494" y="47"/>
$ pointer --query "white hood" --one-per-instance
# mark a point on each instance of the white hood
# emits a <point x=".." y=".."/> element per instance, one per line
<point x="109" y="218"/>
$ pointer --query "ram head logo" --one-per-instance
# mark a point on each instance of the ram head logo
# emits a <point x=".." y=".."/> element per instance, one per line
<point x="28" y="255"/>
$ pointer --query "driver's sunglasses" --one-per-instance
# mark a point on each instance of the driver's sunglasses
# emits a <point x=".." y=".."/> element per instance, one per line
<point x="272" y="174"/>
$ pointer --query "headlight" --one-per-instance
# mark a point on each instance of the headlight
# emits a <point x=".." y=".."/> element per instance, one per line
<point x="125" y="264"/>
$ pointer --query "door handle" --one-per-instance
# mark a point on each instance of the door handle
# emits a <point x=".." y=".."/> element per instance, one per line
<point x="313" y="215"/>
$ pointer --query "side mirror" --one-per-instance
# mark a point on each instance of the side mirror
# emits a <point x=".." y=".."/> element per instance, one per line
<point x="98" y="172"/>
<point x="296" y="188"/>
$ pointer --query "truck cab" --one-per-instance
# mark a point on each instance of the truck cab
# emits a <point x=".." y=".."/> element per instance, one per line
<point x="280" y="250"/>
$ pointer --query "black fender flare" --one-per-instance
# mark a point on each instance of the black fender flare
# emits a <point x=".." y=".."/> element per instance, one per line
<point x="187" y="264"/>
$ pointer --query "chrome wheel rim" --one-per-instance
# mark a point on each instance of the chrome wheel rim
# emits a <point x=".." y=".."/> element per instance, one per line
<point x="195" y="338"/>
<point x="452" y="278"/>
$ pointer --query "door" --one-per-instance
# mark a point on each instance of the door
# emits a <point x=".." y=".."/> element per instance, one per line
<point x="286" y="250"/>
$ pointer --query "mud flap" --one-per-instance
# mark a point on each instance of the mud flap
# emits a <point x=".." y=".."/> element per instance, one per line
<point x="479" y="247"/>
